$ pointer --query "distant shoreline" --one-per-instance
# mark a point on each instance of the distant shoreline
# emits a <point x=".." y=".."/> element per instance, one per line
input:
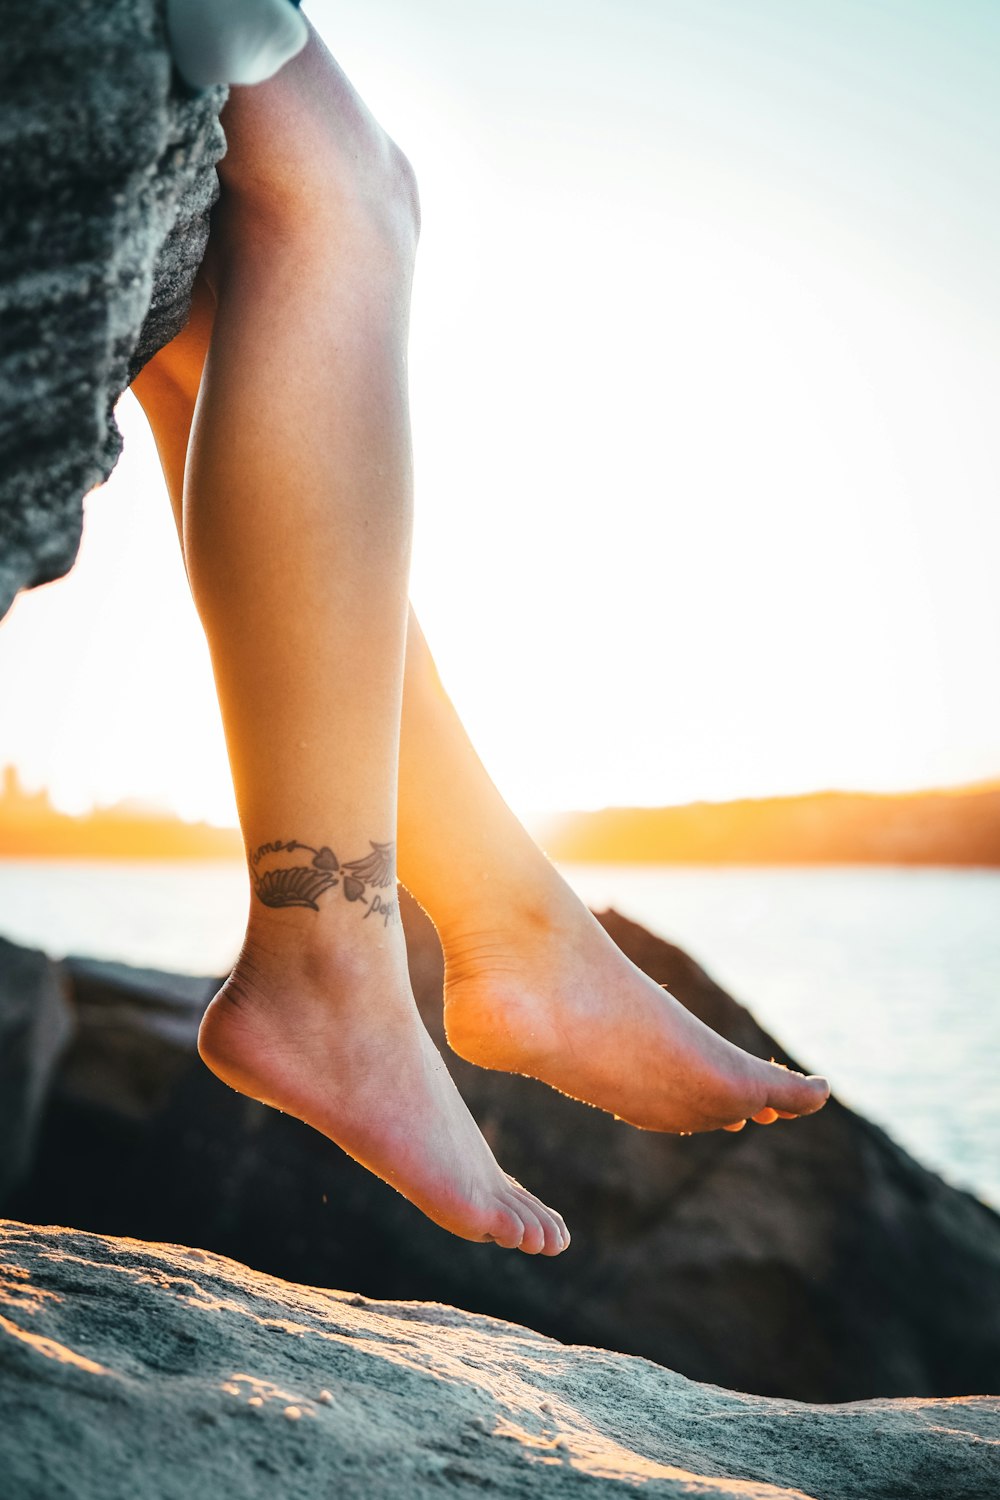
<point x="939" y="829"/>
<point x="86" y="857"/>
<point x="951" y="829"/>
<point x="90" y="838"/>
<point x="31" y="828"/>
<point x="805" y="865"/>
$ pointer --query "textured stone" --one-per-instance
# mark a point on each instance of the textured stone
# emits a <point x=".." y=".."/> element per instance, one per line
<point x="136" y="1030"/>
<point x="35" y="1025"/>
<point x="813" y="1259"/>
<point x="107" y="175"/>
<point x="130" y="1369"/>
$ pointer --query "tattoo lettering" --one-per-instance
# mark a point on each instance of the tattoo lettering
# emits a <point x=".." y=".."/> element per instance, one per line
<point x="387" y="910"/>
<point x="294" y="883"/>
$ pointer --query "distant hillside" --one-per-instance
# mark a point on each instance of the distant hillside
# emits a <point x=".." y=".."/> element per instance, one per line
<point x="31" y="828"/>
<point x="924" y="828"/>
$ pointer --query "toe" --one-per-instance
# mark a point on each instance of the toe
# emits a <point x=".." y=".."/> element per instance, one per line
<point x="555" y="1232"/>
<point x="561" y="1240"/>
<point x="794" y="1093"/>
<point x="737" y="1126"/>
<point x="765" y="1116"/>
<point x="533" y="1239"/>
<point x="506" y="1228"/>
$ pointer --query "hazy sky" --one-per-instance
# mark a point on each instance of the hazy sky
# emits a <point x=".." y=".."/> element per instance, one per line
<point x="706" y="356"/>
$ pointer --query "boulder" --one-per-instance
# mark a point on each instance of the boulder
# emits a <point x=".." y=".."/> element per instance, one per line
<point x="135" y="1035"/>
<point x="814" y="1259"/>
<point x="35" y="1026"/>
<point x="107" y="175"/>
<point x="128" y="1368"/>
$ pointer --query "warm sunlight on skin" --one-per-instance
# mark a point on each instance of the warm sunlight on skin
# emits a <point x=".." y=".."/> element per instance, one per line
<point x="705" y="352"/>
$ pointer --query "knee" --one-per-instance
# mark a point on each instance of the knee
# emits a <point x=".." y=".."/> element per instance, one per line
<point x="407" y="190"/>
<point x="358" y="186"/>
<point x="366" y="185"/>
<point x="368" y="207"/>
<point x="395" y="197"/>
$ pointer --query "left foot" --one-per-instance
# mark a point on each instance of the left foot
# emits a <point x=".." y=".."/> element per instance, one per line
<point x="328" y="1031"/>
<point x="553" y="997"/>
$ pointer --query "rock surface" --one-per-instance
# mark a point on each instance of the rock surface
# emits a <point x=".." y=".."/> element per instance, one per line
<point x="128" y="1368"/>
<point x="35" y="1026"/>
<point x="814" y="1259"/>
<point x="107" y="175"/>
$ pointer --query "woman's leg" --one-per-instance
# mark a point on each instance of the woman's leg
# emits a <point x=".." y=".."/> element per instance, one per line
<point x="295" y="527"/>
<point x="526" y="963"/>
<point x="533" y="984"/>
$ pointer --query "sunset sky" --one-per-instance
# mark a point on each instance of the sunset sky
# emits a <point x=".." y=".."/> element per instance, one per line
<point x="705" y="364"/>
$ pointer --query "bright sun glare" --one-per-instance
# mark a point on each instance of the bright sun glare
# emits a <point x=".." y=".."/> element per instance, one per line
<point x="704" y="358"/>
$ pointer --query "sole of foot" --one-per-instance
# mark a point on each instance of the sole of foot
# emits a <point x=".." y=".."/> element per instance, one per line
<point x="360" y="1068"/>
<point x="558" y="1001"/>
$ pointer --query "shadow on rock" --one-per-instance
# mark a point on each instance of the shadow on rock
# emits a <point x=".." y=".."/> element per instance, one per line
<point x="813" y="1260"/>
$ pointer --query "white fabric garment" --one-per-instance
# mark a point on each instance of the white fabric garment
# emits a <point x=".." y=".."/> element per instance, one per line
<point x="233" y="41"/>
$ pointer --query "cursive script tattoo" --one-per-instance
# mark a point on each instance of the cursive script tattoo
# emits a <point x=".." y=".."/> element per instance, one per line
<point x="281" y="881"/>
<point x="387" y="910"/>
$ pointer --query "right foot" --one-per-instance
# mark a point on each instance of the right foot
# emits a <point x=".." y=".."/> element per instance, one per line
<point x="339" y="1044"/>
<point x="539" y="988"/>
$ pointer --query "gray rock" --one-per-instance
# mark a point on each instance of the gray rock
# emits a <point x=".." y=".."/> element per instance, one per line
<point x="107" y="175"/>
<point x="35" y="1026"/>
<point x="131" y="1369"/>
<point x="136" y="1032"/>
<point x="814" y="1259"/>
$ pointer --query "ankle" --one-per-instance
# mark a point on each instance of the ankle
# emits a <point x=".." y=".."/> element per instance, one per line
<point x="504" y="921"/>
<point x="292" y="946"/>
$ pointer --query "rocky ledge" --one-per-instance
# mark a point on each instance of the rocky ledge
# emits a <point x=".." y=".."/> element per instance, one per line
<point x="129" y="1368"/>
<point x="107" y="176"/>
<point x="814" y="1260"/>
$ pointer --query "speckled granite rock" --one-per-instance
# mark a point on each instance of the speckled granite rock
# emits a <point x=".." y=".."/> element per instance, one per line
<point x="131" y="1369"/>
<point x="107" y="175"/>
<point x="814" y="1259"/>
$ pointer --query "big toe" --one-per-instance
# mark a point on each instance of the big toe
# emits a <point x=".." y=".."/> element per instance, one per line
<point x="795" y="1093"/>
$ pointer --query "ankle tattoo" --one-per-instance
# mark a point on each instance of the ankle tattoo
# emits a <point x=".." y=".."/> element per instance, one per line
<point x="285" y="881"/>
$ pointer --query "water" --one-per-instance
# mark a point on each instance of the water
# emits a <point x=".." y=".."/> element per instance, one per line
<point x="887" y="980"/>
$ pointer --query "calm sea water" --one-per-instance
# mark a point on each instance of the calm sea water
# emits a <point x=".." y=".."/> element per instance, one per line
<point x="887" y="980"/>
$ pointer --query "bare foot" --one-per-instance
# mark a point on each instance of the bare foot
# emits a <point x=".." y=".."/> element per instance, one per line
<point x="544" y="991"/>
<point x="337" y="1041"/>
